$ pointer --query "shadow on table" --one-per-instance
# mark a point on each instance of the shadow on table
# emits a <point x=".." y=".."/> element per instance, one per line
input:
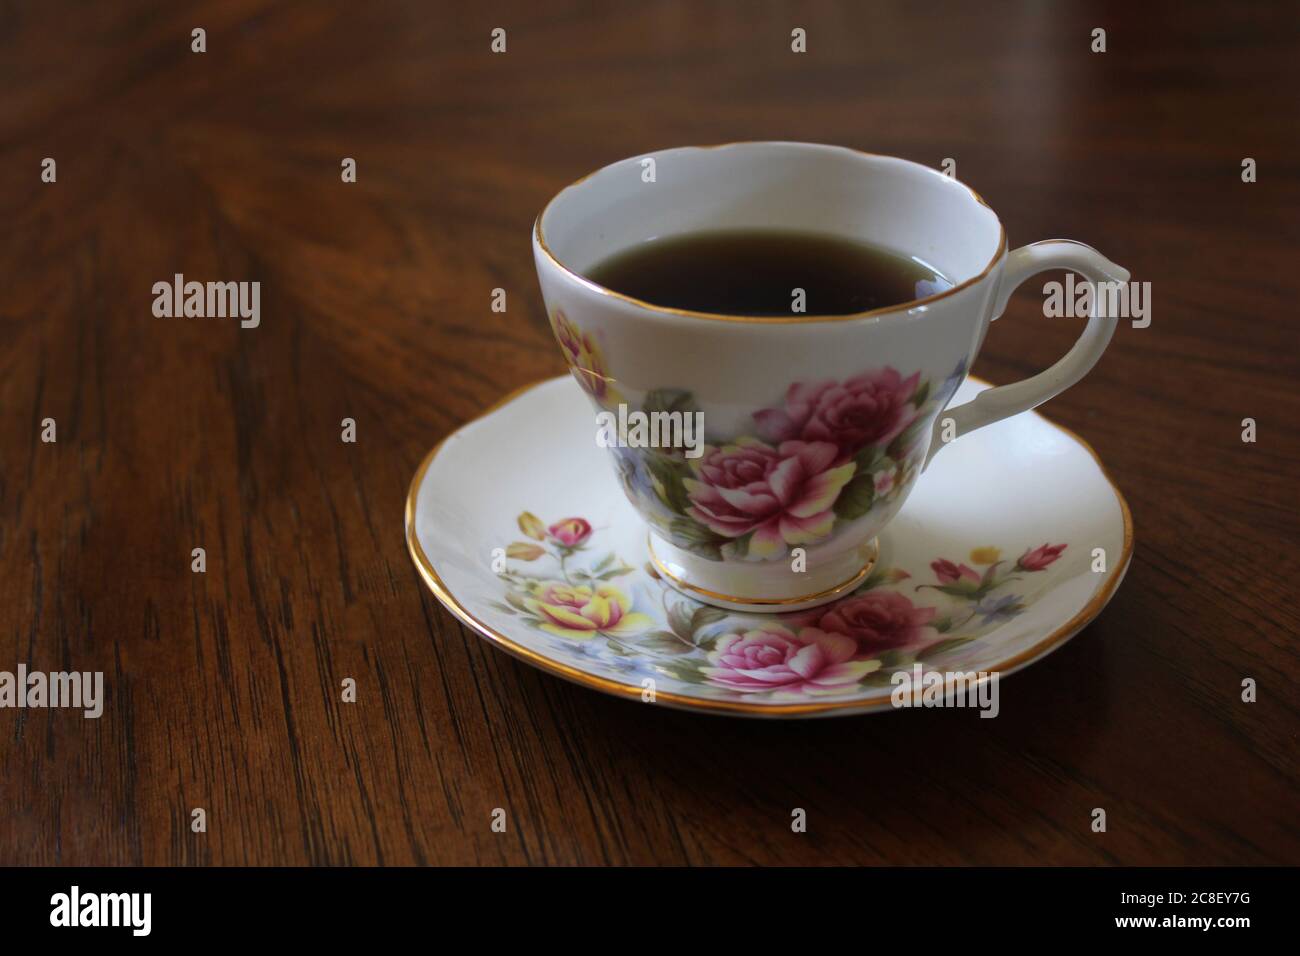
<point x="913" y="786"/>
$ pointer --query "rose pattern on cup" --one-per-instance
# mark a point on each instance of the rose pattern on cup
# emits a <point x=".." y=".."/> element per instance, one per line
<point x="825" y="455"/>
<point x="873" y="383"/>
<point x="755" y="497"/>
<point x="585" y="359"/>
<point x="869" y="409"/>
<point x="771" y="499"/>
<point x="557" y="581"/>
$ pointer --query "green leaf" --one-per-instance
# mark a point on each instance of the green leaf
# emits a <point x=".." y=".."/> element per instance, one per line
<point x="696" y="538"/>
<point x="943" y="647"/>
<point x="679" y="619"/>
<point x="899" y="446"/>
<point x="664" y="642"/>
<point x="867" y="459"/>
<point x="691" y="530"/>
<point x="669" y="400"/>
<point x="604" y="563"/>
<point x="503" y="608"/>
<point x="855" y="498"/>
<point x="986" y="581"/>
<point x="515" y="601"/>
<point x="669" y="474"/>
<point x="710" y="551"/>
<point x="707" y="644"/>
<point x="704" y="616"/>
<point x="739" y="547"/>
<point x="875" y="577"/>
<point x="921" y="394"/>
<point x="877" y="678"/>
<point x="683" y="672"/>
<point x="890" y="660"/>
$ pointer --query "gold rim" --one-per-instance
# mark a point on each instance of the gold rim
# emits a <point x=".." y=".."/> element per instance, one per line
<point x="851" y="583"/>
<point x="619" y="689"/>
<point x="770" y="319"/>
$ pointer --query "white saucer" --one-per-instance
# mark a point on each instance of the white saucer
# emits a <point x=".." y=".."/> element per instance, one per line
<point x="518" y="524"/>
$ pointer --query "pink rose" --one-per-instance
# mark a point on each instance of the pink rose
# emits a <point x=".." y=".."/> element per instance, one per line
<point x="773" y="658"/>
<point x="949" y="573"/>
<point x="570" y="532"/>
<point x="1040" y="557"/>
<point x="868" y="409"/>
<point x="879" y="621"/>
<point x="783" y="495"/>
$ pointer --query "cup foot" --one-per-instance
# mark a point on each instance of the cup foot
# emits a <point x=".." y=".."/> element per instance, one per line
<point x="770" y="588"/>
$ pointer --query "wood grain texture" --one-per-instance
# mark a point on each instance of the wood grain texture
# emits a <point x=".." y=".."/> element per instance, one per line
<point x="223" y="688"/>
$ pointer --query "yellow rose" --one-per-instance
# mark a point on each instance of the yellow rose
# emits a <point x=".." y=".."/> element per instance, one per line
<point x="585" y="359"/>
<point x="581" y="612"/>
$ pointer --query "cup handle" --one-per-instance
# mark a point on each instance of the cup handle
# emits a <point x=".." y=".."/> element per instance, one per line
<point x="995" y="404"/>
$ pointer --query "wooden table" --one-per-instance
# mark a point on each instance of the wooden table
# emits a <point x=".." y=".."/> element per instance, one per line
<point x="172" y="434"/>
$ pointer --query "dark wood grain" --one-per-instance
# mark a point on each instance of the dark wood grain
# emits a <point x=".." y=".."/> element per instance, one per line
<point x="182" y="433"/>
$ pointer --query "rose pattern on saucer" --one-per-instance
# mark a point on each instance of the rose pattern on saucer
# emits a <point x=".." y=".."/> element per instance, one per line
<point x="826" y="454"/>
<point x="591" y="604"/>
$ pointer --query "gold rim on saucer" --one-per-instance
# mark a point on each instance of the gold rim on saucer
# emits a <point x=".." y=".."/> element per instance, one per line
<point x="635" y="691"/>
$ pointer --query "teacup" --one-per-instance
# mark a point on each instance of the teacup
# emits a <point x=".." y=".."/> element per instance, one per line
<point x="815" y="427"/>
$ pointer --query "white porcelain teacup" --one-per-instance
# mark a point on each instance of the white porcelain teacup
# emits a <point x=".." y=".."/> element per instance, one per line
<point x="815" y="427"/>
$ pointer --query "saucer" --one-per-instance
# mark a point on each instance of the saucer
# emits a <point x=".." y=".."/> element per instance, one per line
<point x="1014" y="539"/>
